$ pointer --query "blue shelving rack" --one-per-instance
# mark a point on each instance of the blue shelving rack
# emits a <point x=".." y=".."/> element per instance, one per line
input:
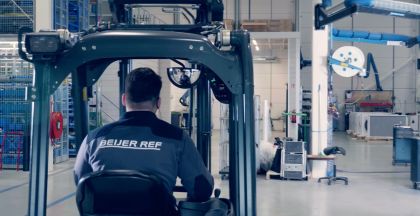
<point x="78" y="15"/>
<point x="15" y="14"/>
<point x="15" y="108"/>
<point x="60" y="104"/>
<point x="72" y="138"/>
<point x="61" y="13"/>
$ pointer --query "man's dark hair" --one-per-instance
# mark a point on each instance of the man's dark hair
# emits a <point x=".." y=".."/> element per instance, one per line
<point x="142" y="84"/>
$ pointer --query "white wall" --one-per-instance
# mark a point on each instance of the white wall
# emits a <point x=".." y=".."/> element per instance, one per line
<point x="270" y="78"/>
<point x="270" y="83"/>
<point x="261" y="9"/>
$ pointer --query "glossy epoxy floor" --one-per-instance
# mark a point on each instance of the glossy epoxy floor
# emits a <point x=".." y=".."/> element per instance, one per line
<point x="376" y="188"/>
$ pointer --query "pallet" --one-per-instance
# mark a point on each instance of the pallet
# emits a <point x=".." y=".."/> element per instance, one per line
<point x="378" y="139"/>
<point x="354" y="135"/>
<point x="360" y="137"/>
<point x="399" y="163"/>
<point x="271" y="173"/>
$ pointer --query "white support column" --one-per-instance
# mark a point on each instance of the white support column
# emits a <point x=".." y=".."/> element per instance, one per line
<point x="43" y="19"/>
<point x="44" y="14"/>
<point x="319" y="114"/>
<point x="294" y="86"/>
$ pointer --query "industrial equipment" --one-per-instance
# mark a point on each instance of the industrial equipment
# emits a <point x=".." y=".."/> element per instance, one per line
<point x="293" y="160"/>
<point x="325" y="16"/>
<point x="348" y="61"/>
<point x="227" y="70"/>
<point x="401" y="145"/>
<point x="375" y="125"/>
<point x="415" y="162"/>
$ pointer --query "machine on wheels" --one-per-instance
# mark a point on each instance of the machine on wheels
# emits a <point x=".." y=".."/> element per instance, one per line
<point x="225" y="67"/>
<point x="415" y="163"/>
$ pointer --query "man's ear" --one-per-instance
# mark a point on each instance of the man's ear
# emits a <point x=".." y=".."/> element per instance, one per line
<point x="158" y="103"/>
<point x="124" y="99"/>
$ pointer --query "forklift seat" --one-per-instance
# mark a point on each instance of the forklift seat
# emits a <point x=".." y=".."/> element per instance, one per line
<point x="123" y="192"/>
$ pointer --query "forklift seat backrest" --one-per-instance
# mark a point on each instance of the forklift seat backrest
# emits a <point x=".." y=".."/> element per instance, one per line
<point x="123" y="192"/>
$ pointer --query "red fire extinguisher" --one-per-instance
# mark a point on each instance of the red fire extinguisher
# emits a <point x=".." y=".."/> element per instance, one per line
<point x="293" y="118"/>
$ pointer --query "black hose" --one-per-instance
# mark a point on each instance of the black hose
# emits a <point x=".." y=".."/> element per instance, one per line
<point x="178" y="62"/>
<point x="371" y="62"/>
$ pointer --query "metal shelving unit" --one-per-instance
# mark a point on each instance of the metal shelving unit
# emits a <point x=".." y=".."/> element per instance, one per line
<point x="15" y="14"/>
<point x="78" y="15"/>
<point x="15" y="108"/>
<point x="61" y="104"/>
<point x="72" y="138"/>
<point x="61" y="13"/>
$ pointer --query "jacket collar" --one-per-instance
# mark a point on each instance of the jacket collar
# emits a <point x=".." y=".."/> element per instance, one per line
<point x="145" y="115"/>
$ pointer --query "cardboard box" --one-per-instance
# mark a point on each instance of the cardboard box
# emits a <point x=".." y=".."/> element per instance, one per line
<point x="228" y="24"/>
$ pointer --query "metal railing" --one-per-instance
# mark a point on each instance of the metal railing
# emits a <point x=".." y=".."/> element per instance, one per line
<point x="109" y="101"/>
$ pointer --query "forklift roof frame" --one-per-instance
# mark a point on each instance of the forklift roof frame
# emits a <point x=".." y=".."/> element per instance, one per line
<point x="91" y="55"/>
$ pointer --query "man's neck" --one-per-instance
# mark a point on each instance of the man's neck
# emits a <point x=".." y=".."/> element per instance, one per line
<point x="144" y="110"/>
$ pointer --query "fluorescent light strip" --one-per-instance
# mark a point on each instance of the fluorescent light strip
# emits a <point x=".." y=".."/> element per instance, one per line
<point x="396" y="6"/>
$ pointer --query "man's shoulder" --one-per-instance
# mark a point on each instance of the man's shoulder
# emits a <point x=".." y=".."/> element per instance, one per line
<point x="166" y="130"/>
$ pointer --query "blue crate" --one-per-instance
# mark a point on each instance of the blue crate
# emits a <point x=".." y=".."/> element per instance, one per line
<point x="13" y="18"/>
<point x="13" y="143"/>
<point x="57" y="152"/>
<point x="12" y="93"/>
<point x="5" y="108"/>
<point x="10" y="159"/>
<point x="10" y="123"/>
<point x="4" y="124"/>
<point x="10" y="108"/>
<point x="16" y="127"/>
<point x="21" y="78"/>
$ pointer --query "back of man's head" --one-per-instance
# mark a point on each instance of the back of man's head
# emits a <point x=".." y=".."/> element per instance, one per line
<point x="142" y="85"/>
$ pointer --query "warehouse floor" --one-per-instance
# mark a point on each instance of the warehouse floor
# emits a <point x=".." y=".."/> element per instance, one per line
<point x="376" y="188"/>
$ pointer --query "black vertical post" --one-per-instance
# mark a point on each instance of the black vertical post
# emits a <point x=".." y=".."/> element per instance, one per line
<point x="286" y="117"/>
<point x="80" y="105"/>
<point x="122" y="74"/>
<point x="250" y="144"/>
<point x="242" y="163"/>
<point x="204" y="119"/>
<point x="191" y="114"/>
<point x="233" y="154"/>
<point x="40" y="142"/>
<point x="27" y="139"/>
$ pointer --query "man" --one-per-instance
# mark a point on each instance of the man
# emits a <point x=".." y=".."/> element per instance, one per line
<point x="140" y="141"/>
